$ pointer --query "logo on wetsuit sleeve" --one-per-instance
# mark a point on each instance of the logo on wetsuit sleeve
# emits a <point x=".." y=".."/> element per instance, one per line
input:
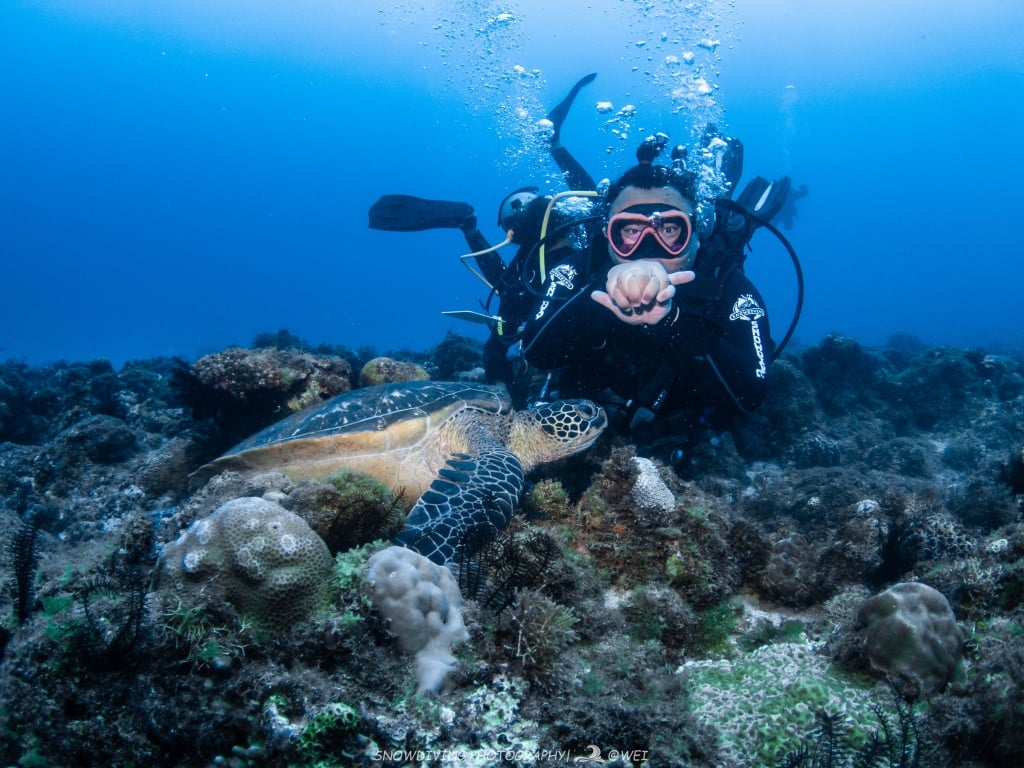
<point x="747" y="308"/>
<point x="562" y="276"/>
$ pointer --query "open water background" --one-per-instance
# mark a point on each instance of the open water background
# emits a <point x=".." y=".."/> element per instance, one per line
<point x="178" y="177"/>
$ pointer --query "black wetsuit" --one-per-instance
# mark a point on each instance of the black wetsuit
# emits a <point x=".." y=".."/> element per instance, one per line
<point x="712" y="355"/>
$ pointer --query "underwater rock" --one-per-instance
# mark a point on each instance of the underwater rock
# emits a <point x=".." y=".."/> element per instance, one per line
<point x="238" y="392"/>
<point x="816" y="450"/>
<point x="292" y="378"/>
<point x="900" y="456"/>
<point x="911" y="632"/>
<point x="846" y="376"/>
<point x="98" y="438"/>
<point x="791" y="572"/>
<point x="943" y="385"/>
<point x="790" y="411"/>
<point x="455" y="354"/>
<point x="657" y="612"/>
<point x="166" y="469"/>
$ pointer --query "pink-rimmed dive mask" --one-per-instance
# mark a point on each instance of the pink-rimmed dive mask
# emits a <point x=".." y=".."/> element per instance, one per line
<point x="672" y="229"/>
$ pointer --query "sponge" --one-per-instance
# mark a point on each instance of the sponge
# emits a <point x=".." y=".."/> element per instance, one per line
<point x="422" y="601"/>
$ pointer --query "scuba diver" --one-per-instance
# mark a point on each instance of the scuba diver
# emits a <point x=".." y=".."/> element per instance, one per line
<point x="658" y="316"/>
<point x="636" y="301"/>
<point x="521" y="215"/>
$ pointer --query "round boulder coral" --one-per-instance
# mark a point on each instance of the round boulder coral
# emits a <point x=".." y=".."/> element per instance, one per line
<point x="384" y="370"/>
<point x="267" y="561"/>
<point x="911" y="632"/>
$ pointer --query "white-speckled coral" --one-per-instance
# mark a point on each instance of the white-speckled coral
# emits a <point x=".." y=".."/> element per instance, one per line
<point x="268" y="561"/>
<point x="649" y="490"/>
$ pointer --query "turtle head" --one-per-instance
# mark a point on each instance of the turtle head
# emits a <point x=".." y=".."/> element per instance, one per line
<point x="555" y="430"/>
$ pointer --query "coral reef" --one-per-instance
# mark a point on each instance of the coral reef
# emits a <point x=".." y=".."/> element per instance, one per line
<point x="243" y="390"/>
<point x="299" y="379"/>
<point x="455" y="356"/>
<point x="682" y="597"/>
<point x="759" y="701"/>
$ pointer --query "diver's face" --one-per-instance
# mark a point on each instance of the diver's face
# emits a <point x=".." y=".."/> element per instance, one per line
<point x="652" y="224"/>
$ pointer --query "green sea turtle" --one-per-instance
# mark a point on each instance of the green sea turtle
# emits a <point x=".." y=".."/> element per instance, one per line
<point x="456" y="450"/>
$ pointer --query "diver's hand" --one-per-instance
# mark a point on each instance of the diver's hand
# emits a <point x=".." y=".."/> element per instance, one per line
<point x="640" y="292"/>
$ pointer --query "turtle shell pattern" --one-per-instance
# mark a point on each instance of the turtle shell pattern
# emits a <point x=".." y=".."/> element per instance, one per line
<point x="441" y="444"/>
<point x="400" y="434"/>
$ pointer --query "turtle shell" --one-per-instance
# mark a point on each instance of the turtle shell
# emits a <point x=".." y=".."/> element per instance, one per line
<point x="400" y="433"/>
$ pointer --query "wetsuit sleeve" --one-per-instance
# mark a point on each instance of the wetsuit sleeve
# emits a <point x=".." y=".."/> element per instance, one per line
<point x="564" y="320"/>
<point x="475" y="240"/>
<point x="720" y="352"/>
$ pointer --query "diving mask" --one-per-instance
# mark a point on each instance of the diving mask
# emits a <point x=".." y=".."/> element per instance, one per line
<point x="514" y="204"/>
<point x="672" y="230"/>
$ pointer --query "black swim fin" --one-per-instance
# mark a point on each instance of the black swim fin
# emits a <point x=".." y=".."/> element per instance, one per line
<point x="765" y="198"/>
<point x="405" y="213"/>
<point x="737" y="221"/>
<point x="561" y="111"/>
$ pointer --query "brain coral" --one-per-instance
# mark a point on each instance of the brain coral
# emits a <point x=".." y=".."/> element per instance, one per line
<point x="268" y="562"/>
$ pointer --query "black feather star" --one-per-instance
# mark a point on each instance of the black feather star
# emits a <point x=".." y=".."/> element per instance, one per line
<point x="24" y="558"/>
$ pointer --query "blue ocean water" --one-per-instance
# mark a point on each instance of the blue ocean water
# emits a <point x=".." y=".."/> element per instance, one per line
<point x="177" y="179"/>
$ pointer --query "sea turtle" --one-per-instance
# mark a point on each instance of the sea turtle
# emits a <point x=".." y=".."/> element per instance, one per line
<point x="457" y="451"/>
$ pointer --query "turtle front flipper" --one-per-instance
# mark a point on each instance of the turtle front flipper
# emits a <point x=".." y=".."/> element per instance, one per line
<point x="472" y="499"/>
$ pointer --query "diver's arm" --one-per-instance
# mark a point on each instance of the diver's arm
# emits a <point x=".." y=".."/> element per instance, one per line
<point x="491" y="265"/>
<point x="474" y="237"/>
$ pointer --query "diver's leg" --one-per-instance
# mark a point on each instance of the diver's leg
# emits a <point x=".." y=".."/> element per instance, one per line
<point x="576" y="175"/>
